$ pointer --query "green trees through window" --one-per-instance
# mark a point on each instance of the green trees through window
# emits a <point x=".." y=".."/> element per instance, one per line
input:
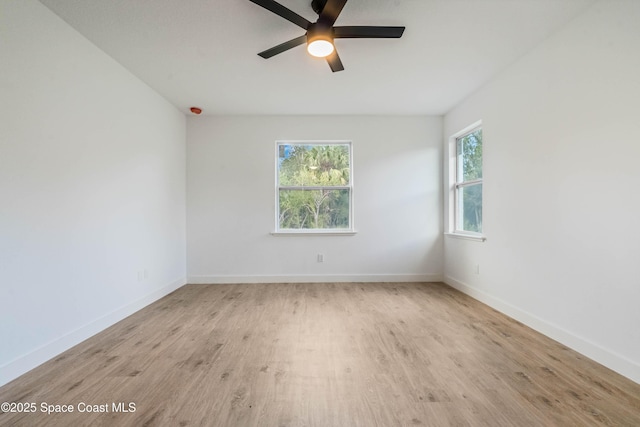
<point x="469" y="182"/>
<point x="314" y="186"/>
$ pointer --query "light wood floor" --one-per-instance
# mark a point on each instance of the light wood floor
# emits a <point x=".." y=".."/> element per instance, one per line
<point x="324" y="355"/>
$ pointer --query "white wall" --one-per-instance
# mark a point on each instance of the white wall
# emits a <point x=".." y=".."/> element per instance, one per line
<point x="561" y="206"/>
<point x="92" y="189"/>
<point x="231" y="201"/>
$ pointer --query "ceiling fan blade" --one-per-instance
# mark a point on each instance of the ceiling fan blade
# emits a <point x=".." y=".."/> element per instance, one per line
<point x="283" y="47"/>
<point x="334" y="62"/>
<point x="367" y="32"/>
<point x="331" y="11"/>
<point x="282" y="11"/>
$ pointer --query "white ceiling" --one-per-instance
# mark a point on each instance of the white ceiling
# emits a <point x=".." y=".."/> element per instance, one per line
<point x="204" y="52"/>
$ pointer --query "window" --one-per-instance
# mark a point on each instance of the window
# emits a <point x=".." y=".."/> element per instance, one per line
<point x="467" y="185"/>
<point x="314" y="187"/>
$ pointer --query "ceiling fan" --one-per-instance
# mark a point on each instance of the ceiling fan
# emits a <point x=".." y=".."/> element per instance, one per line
<point x="319" y="35"/>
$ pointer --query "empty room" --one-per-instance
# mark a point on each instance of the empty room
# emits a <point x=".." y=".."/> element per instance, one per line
<point x="319" y="213"/>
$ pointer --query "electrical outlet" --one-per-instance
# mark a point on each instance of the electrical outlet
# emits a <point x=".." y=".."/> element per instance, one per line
<point x="320" y="257"/>
<point x="476" y="269"/>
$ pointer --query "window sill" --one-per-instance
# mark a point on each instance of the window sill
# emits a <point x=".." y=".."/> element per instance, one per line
<point x="472" y="237"/>
<point x="313" y="233"/>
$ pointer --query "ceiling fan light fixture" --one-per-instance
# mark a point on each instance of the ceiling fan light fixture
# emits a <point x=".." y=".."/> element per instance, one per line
<point x="320" y="40"/>
<point x="320" y="48"/>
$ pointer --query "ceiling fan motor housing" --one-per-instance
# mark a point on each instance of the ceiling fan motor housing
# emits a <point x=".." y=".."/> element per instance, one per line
<point x="319" y="31"/>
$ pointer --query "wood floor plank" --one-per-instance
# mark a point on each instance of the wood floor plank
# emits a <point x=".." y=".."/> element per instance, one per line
<point x="325" y="354"/>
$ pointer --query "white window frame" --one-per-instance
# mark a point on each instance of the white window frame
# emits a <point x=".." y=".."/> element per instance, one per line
<point x="454" y="187"/>
<point x="313" y="232"/>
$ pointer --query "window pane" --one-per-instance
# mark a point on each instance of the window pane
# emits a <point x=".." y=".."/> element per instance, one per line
<point x="470" y="208"/>
<point x="314" y="209"/>
<point x="469" y="152"/>
<point x="313" y="165"/>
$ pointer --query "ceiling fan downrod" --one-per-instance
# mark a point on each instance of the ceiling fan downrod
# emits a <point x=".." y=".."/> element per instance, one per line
<point x="318" y="5"/>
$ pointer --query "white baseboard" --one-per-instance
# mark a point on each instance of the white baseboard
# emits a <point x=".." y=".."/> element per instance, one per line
<point x="27" y="362"/>
<point x="201" y="280"/>
<point x="611" y="360"/>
